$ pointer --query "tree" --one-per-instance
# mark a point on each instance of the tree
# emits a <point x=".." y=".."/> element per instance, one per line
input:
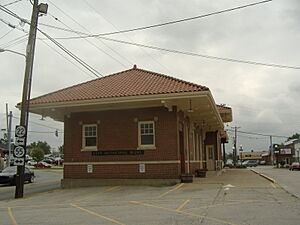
<point x="294" y="136"/>
<point x="4" y="139"/>
<point x="42" y="145"/>
<point x="37" y="154"/>
<point x="61" y="149"/>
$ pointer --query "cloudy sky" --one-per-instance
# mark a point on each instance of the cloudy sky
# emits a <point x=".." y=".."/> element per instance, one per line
<point x="264" y="99"/>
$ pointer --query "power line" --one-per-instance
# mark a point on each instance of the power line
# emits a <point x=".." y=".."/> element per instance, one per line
<point x="258" y="134"/>
<point x="172" y="22"/>
<point x="7" y="33"/>
<point x="8" y="11"/>
<point x="67" y="59"/>
<point x="70" y="17"/>
<point x="15" y="43"/>
<point x="76" y="58"/>
<point x="184" y="52"/>
<point x="43" y="125"/>
<point x="80" y="61"/>
<point x="202" y="55"/>
<point x="117" y="29"/>
<point x="91" y="43"/>
<point x="12" y="3"/>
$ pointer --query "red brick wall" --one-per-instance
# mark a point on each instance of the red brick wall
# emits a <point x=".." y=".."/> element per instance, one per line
<point x="118" y="130"/>
<point x="152" y="171"/>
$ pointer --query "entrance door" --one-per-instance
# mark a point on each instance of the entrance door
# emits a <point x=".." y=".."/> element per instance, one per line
<point x="210" y="157"/>
<point x="181" y="149"/>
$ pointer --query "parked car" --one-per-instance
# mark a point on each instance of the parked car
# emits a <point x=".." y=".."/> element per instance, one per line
<point x="42" y="165"/>
<point x="8" y="175"/>
<point x="250" y="163"/>
<point x="31" y="163"/>
<point x="294" y="166"/>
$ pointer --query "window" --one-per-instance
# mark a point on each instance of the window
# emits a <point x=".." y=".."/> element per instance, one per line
<point x="146" y="134"/>
<point x="89" y="137"/>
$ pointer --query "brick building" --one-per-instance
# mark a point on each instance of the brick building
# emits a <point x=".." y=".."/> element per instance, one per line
<point x="137" y="125"/>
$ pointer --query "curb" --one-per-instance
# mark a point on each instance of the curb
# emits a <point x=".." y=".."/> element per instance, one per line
<point x="264" y="176"/>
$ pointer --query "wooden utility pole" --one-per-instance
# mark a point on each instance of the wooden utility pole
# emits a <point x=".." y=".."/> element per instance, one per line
<point x="42" y="8"/>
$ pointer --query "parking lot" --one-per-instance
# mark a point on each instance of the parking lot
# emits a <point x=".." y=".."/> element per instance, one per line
<point x="235" y="197"/>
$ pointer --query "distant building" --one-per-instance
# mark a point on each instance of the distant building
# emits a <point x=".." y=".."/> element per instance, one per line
<point x="251" y="155"/>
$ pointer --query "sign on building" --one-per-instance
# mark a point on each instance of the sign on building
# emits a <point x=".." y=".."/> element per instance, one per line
<point x="285" y="151"/>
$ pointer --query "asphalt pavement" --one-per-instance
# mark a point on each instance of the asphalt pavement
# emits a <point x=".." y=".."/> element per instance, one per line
<point x="45" y="180"/>
<point x="237" y="197"/>
<point x="288" y="180"/>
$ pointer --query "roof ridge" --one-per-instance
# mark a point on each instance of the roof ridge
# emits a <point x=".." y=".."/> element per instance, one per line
<point x="172" y="78"/>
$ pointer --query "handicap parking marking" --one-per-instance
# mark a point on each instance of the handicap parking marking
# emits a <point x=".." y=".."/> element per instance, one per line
<point x="97" y="214"/>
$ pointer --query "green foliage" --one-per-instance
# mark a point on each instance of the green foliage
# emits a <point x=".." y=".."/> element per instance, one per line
<point x="4" y="139"/>
<point x="37" y="154"/>
<point x="42" y="145"/>
<point x="61" y="149"/>
<point x="294" y="136"/>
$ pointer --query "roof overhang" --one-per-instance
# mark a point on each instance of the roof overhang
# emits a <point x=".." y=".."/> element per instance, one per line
<point x="200" y="106"/>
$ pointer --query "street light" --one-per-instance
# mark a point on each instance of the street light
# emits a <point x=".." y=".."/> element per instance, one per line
<point x="7" y="50"/>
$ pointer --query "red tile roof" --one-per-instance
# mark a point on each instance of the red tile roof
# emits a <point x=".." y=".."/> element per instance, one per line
<point x="132" y="82"/>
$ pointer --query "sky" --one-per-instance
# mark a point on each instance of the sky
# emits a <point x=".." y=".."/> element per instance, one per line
<point x="264" y="99"/>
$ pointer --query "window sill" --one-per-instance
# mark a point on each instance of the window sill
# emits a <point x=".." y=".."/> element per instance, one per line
<point x="146" y="148"/>
<point x="89" y="149"/>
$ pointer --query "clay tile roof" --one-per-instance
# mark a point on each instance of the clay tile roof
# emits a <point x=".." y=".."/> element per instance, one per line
<point x="132" y="82"/>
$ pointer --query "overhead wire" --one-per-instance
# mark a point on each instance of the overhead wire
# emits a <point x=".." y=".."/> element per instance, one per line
<point x="91" y="43"/>
<point x="185" y="52"/>
<point x="75" y="21"/>
<point x="172" y="22"/>
<point x="117" y="29"/>
<point x="76" y="58"/>
<point x="15" y="42"/>
<point x="257" y="134"/>
<point x="67" y="59"/>
<point x="8" y="4"/>
<point x="203" y="55"/>
<point x="36" y="123"/>
<point x="7" y="33"/>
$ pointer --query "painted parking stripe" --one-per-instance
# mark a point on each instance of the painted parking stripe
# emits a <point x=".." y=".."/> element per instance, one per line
<point x="86" y="198"/>
<point x="169" y="191"/>
<point x="183" y="213"/>
<point x="11" y="216"/>
<point x="97" y="214"/>
<point x="182" y="205"/>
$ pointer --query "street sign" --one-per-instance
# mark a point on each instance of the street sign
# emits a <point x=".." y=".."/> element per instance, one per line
<point x="20" y="141"/>
<point x="19" y="152"/>
<point x="20" y="131"/>
<point x="19" y="162"/>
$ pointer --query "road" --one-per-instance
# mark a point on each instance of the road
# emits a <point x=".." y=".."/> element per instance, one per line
<point x="45" y="180"/>
<point x="288" y="180"/>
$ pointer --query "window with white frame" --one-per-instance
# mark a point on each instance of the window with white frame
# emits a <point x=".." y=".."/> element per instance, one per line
<point x="146" y="134"/>
<point x="89" y="136"/>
